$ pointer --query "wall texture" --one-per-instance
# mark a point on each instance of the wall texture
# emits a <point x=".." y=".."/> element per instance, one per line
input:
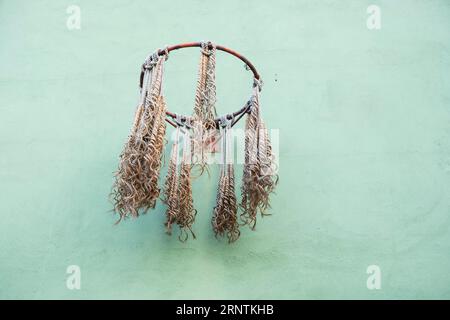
<point x="364" y="149"/>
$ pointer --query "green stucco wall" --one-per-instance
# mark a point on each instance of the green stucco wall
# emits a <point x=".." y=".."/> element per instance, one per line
<point x="364" y="149"/>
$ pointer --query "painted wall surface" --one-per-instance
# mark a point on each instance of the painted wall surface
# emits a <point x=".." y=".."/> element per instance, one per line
<point x="364" y="149"/>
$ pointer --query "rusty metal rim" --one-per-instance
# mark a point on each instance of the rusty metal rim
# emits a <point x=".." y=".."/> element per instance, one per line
<point x="235" y="115"/>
